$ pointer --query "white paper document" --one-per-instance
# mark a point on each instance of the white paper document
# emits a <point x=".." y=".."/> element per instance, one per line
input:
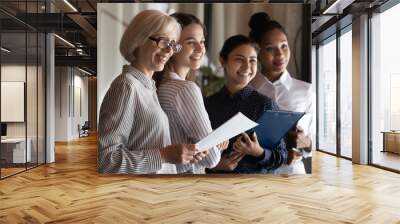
<point x="234" y="126"/>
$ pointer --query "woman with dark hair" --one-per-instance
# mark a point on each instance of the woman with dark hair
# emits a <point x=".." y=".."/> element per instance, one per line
<point x="275" y="82"/>
<point x="244" y="155"/>
<point x="182" y="100"/>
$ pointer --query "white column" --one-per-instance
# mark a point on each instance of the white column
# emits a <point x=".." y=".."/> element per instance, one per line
<point x="360" y="90"/>
<point x="50" y="99"/>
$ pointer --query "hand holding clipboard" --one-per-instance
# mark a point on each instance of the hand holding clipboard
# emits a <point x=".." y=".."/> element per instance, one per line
<point x="273" y="126"/>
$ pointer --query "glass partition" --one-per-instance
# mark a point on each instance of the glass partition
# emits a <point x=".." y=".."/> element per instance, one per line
<point x="31" y="100"/>
<point x="22" y="90"/>
<point x="13" y="105"/>
<point x="327" y="97"/>
<point x="385" y="89"/>
<point x="346" y="94"/>
<point x="41" y="96"/>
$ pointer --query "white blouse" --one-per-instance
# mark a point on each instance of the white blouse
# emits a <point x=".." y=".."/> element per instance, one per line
<point x="292" y="95"/>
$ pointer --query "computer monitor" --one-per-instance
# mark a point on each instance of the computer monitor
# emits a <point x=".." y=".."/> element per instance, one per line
<point x="3" y="129"/>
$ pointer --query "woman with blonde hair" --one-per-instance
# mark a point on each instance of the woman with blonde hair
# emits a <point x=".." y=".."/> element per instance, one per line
<point x="133" y="133"/>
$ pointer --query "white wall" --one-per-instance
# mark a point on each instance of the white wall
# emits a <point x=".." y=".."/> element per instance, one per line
<point x="70" y="83"/>
<point x="61" y="103"/>
<point x="13" y="101"/>
<point x="110" y="20"/>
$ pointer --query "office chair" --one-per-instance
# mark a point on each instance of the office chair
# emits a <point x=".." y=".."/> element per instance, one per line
<point x="84" y="130"/>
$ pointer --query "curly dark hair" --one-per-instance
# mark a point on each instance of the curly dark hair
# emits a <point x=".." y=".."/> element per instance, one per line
<point x="261" y="23"/>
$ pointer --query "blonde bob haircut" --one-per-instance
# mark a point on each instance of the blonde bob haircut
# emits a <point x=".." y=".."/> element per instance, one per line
<point x="144" y="25"/>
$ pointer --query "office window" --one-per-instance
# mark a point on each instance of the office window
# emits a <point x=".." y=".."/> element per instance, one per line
<point x="346" y="94"/>
<point x="22" y="64"/>
<point x="385" y="88"/>
<point x="327" y="97"/>
<point x="14" y="143"/>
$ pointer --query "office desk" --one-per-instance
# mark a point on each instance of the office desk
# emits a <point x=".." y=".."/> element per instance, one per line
<point x="391" y="141"/>
<point x="13" y="150"/>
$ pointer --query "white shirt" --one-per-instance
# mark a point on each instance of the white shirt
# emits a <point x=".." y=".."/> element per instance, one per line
<point x="292" y="95"/>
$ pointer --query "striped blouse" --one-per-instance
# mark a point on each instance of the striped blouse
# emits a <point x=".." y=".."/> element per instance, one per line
<point x="132" y="127"/>
<point x="189" y="123"/>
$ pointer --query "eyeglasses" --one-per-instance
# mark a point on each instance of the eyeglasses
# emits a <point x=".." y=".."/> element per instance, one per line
<point x="165" y="43"/>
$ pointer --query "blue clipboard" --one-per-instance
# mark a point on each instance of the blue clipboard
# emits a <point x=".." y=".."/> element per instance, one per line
<point x="273" y="126"/>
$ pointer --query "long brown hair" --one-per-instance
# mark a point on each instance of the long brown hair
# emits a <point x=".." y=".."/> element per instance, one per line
<point x="184" y="19"/>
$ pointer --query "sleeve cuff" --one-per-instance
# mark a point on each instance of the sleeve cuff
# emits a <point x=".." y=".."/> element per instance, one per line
<point x="267" y="156"/>
<point x="155" y="164"/>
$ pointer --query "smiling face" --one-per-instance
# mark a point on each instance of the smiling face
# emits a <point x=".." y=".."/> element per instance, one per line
<point x="240" y="67"/>
<point x="274" y="54"/>
<point x="193" y="48"/>
<point x="152" y="58"/>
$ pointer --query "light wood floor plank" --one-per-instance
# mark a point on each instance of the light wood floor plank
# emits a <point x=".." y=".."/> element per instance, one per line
<point x="70" y="191"/>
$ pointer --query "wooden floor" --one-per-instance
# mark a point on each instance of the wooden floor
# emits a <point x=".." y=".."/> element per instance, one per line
<point x="10" y="171"/>
<point x="70" y="191"/>
<point x="5" y="172"/>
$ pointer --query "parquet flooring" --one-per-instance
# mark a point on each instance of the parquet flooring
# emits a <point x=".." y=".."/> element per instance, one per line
<point x="10" y="171"/>
<point x="70" y="191"/>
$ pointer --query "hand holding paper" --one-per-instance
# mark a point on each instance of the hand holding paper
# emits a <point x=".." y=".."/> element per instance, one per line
<point x="273" y="126"/>
<point x="224" y="145"/>
<point x="234" y="126"/>
<point x="199" y="156"/>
